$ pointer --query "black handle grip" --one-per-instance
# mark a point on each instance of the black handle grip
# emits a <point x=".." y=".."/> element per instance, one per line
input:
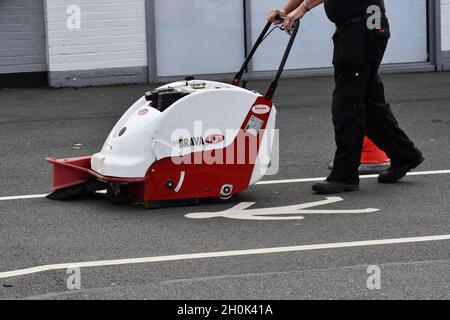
<point x="273" y="86"/>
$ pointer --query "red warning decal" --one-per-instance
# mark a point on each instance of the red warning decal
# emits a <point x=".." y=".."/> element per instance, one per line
<point x="261" y="109"/>
<point x="143" y="112"/>
<point x="215" y="138"/>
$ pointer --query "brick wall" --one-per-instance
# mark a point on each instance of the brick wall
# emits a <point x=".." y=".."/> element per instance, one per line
<point x="109" y="47"/>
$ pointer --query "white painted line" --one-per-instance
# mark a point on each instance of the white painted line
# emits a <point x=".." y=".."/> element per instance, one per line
<point x="261" y="183"/>
<point x="419" y="173"/>
<point x="428" y="173"/>
<point x="33" y="196"/>
<point x="220" y="254"/>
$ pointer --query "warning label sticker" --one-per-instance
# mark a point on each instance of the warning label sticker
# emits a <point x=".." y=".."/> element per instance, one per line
<point x="254" y="125"/>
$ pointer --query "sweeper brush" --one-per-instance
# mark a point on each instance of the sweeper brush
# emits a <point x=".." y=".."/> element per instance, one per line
<point x="185" y="140"/>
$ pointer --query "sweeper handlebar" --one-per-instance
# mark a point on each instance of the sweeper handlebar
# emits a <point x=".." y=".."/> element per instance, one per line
<point x="273" y="86"/>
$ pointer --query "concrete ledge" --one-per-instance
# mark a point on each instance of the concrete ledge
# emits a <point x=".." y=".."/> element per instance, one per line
<point x="98" y="77"/>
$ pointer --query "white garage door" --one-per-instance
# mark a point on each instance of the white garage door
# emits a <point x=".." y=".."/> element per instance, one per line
<point x="408" y="19"/>
<point x="199" y="36"/>
<point x="207" y="36"/>
<point x="313" y="49"/>
<point x="22" y="36"/>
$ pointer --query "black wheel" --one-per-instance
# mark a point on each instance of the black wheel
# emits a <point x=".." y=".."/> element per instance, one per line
<point x="117" y="194"/>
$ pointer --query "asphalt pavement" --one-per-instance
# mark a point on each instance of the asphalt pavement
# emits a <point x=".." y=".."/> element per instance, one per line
<point x="324" y="255"/>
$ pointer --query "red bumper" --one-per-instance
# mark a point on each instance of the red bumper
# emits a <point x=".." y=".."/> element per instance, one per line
<point x="74" y="171"/>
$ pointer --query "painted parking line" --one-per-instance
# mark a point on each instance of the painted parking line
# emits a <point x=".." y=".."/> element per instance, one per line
<point x="372" y="176"/>
<point x="32" y="196"/>
<point x="221" y="254"/>
<point x="261" y="183"/>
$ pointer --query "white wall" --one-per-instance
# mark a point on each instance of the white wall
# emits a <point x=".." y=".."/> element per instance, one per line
<point x="314" y="47"/>
<point x="445" y="21"/>
<point x="409" y="40"/>
<point x="199" y="36"/>
<point x="112" y="35"/>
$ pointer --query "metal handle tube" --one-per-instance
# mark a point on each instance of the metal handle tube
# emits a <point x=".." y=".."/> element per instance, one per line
<point x="273" y="86"/>
<point x="238" y="76"/>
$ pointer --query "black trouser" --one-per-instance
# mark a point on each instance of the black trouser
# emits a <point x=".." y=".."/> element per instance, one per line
<point x="359" y="105"/>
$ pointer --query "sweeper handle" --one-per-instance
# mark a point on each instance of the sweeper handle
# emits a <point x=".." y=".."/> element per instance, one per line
<point x="273" y="86"/>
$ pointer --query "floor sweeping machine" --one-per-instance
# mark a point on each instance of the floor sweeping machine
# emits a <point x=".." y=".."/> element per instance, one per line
<point x="183" y="141"/>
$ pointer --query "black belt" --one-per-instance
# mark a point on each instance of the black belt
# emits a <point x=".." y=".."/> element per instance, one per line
<point x="350" y="21"/>
<point x="356" y="19"/>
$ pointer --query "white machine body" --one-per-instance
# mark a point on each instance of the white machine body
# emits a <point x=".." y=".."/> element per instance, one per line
<point x="208" y="117"/>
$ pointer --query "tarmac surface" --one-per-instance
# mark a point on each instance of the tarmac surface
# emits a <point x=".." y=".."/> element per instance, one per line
<point x="410" y="226"/>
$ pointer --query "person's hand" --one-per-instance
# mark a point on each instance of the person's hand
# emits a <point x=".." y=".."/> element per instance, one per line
<point x="274" y="16"/>
<point x="291" y="19"/>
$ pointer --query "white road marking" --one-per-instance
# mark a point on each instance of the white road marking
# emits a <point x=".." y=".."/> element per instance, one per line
<point x="33" y="196"/>
<point x="221" y="254"/>
<point x="239" y="211"/>
<point x="270" y="182"/>
<point x="428" y="173"/>
<point x="419" y="173"/>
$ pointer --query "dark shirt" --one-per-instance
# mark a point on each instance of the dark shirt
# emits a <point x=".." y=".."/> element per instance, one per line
<point x="341" y="10"/>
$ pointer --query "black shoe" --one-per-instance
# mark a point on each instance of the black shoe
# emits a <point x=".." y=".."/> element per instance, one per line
<point x="394" y="174"/>
<point x="332" y="187"/>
